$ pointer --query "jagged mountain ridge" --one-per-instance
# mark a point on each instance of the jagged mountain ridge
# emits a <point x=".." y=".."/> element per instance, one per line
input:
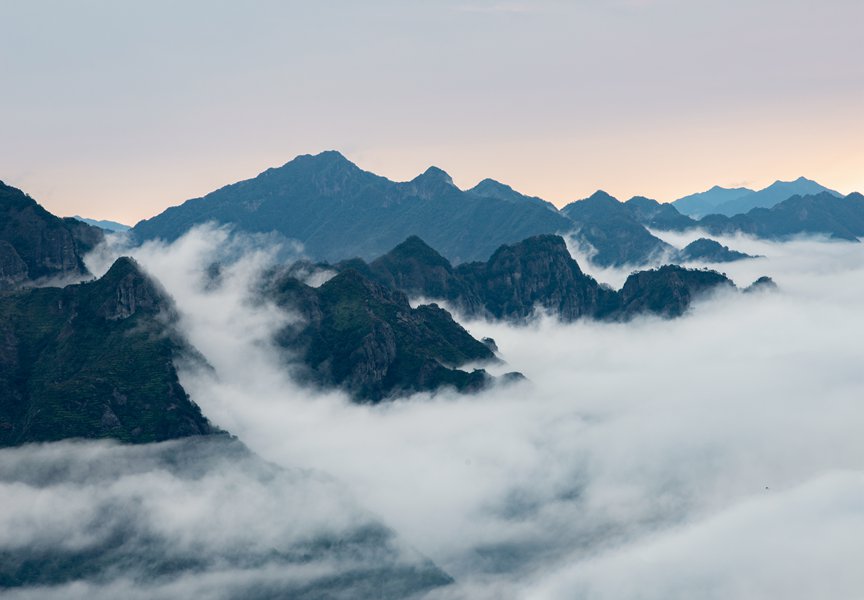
<point x="339" y="211"/>
<point x="535" y="274"/>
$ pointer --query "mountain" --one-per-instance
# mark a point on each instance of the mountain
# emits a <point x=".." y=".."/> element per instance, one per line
<point x="772" y="195"/>
<point x="823" y="213"/>
<point x="656" y="215"/>
<point x="489" y="188"/>
<point x="709" y="251"/>
<point x="613" y="235"/>
<point x="668" y="291"/>
<point x="93" y="360"/>
<point x="703" y="203"/>
<point x="535" y="275"/>
<point x="106" y="225"/>
<point x="36" y="246"/>
<point x="338" y="211"/>
<point x="366" y="338"/>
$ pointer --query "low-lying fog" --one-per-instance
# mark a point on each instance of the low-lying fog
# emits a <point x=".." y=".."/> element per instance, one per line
<point x="719" y="455"/>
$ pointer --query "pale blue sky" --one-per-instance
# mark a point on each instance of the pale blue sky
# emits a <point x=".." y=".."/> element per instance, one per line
<point x="118" y="109"/>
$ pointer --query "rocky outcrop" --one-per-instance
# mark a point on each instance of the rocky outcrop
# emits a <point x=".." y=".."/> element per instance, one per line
<point x="537" y="274"/>
<point x="667" y="291"/>
<point x="366" y="338"/>
<point x="49" y="247"/>
<point x="128" y="290"/>
<point x="93" y="360"/>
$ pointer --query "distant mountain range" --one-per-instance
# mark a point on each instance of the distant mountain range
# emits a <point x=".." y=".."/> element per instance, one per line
<point x="106" y="225"/>
<point x="729" y="202"/>
<point x="820" y="214"/>
<point x="337" y="211"/>
<point x="823" y="213"/>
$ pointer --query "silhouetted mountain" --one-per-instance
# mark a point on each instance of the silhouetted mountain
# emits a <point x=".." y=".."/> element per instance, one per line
<point x="366" y="338"/>
<point x="614" y="235"/>
<point x="92" y="360"/>
<point x="704" y="203"/>
<point x="772" y="195"/>
<point x="339" y="211"/>
<point x="106" y="225"/>
<point x="664" y="217"/>
<point x="35" y="245"/>
<point x="825" y="213"/>
<point x="489" y="188"/>
<point x="535" y="275"/>
<point x="709" y="251"/>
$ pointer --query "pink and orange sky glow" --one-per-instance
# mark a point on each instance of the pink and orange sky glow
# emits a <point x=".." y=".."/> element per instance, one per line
<point x="118" y="110"/>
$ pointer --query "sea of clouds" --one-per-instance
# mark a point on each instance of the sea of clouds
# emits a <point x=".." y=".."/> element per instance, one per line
<point x="718" y="455"/>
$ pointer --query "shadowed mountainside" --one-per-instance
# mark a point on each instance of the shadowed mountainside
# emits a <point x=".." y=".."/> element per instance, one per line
<point x="93" y="360"/>
<point x="615" y="236"/>
<point x="365" y="338"/>
<point x="535" y="274"/>
<point x="339" y="211"/>
<point x="35" y="245"/>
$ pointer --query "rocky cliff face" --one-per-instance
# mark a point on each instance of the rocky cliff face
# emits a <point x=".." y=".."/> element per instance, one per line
<point x="365" y="338"/>
<point x="536" y="274"/>
<point x="31" y="237"/>
<point x="93" y="360"/>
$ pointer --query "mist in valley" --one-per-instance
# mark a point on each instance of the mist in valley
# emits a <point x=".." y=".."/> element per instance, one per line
<point x="691" y="458"/>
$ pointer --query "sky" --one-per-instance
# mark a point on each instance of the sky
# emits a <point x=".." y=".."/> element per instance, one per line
<point x="119" y="109"/>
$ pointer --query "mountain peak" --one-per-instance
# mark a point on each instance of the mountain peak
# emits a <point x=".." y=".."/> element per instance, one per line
<point x="601" y="196"/>
<point x="434" y="174"/>
<point x="414" y="249"/>
<point x="491" y="187"/>
<point x="127" y="289"/>
<point x="328" y="158"/>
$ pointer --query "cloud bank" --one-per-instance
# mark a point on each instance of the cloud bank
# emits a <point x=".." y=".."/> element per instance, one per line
<point x="714" y="456"/>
